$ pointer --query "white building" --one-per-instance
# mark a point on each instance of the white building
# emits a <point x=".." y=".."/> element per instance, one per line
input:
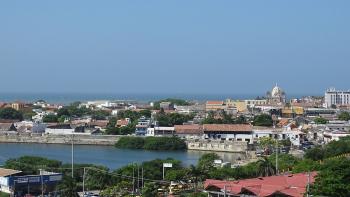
<point x="336" y="97"/>
<point x="160" y="131"/>
<point x="329" y="136"/>
<point x="295" y="136"/>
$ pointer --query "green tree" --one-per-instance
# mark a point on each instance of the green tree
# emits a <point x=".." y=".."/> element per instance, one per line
<point x="320" y="120"/>
<point x="100" y="115"/>
<point x="286" y="162"/>
<point x="306" y="165"/>
<point x="265" y="167"/>
<point x="31" y="164"/>
<point x="68" y="187"/>
<point x="10" y="113"/>
<point x="130" y="142"/>
<point x="177" y="175"/>
<point x="206" y="162"/>
<point x="241" y="120"/>
<point x="164" y="143"/>
<point x="344" y="116"/>
<point x="150" y="190"/>
<point x="316" y="153"/>
<point x="50" y="118"/>
<point x="333" y="179"/>
<point x="173" y="101"/>
<point x="263" y="120"/>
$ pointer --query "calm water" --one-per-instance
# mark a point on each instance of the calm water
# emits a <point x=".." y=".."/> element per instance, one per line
<point x="66" y="98"/>
<point x="108" y="156"/>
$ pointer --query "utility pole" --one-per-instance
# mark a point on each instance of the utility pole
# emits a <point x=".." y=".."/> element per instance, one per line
<point x="277" y="157"/>
<point x="308" y="184"/>
<point x="138" y="179"/>
<point x="133" y="179"/>
<point x="73" y="154"/>
<point x="42" y="183"/>
<point x="142" y="184"/>
<point x="84" y="182"/>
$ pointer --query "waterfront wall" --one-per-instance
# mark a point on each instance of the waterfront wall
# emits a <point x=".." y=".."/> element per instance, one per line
<point x="59" y="139"/>
<point x="218" y="145"/>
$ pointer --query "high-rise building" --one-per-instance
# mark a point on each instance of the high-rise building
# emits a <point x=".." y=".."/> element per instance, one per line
<point x="336" y="97"/>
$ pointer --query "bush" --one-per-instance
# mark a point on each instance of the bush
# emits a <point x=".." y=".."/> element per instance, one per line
<point x="130" y="142"/>
<point x="151" y="143"/>
<point x="263" y="120"/>
<point x="164" y="143"/>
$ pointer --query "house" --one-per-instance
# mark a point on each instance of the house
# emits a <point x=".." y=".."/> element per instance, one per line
<point x="59" y="129"/>
<point x="166" y="106"/>
<point x="122" y="122"/>
<point x="232" y="132"/>
<point x="193" y="131"/>
<point x="290" y="185"/>
<point x="100" y="124"/>
<point x="160" y="131"/>
<point x="215" y="106"/>
<point x="7" y="127"/>
<point x="16" y="183"/>
<point x="329" y="136"/>
<point x="294" y="135"/>
<point x="142" y="125"/>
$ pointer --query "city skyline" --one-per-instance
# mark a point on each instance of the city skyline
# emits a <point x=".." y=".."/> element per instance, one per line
<point x="156" y="47"/>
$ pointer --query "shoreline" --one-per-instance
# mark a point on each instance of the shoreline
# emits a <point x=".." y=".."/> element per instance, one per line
<point x="110" y="140"/>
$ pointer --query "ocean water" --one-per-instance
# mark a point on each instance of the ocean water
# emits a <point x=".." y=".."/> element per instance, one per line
<point x="66" y="98"/>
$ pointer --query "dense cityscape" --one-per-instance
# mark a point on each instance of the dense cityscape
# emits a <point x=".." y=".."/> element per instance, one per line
<point x="282" y="146"/>
<point x="179" y="98"/>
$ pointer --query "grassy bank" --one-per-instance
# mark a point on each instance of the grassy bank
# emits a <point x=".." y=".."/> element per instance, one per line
<point x="151" y="143"/>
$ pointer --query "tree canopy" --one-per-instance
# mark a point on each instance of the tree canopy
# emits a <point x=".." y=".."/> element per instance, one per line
<point x="173" y="101"/>
<point x="263" y="120"/>
<point x="11" y="114"/>
<point x="344" y="116"/>
<point x="320" y="120"/>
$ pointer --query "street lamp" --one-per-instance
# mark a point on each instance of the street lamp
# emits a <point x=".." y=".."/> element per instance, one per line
<point x="73" y="154"/>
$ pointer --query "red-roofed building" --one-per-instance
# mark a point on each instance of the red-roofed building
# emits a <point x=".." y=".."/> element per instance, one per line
<point x="215" y="105"/>
<point x="232" y="132"/>
<point x="123" y="122"/>
<point x="292" y="185"/>
<point x="189" y="131"/>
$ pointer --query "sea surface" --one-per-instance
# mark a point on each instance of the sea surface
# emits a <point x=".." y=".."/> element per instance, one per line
<point x="66" y="98"/>
<point x="108" y="156"/>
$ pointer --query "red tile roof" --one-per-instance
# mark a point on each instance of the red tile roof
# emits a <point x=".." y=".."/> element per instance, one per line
<point x="292" y="185"/>
<point x="227" y="127"/>
<point x="215" y="102"/>
<point x="188" y="129"/>
<point x="122" y="122"/>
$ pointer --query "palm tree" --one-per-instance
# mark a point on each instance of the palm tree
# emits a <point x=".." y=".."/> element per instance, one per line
<point x="265" y="167"/>
<point x="195" y="174"/>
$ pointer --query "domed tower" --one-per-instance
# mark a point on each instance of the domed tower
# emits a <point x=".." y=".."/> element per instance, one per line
<point x="276" y="96"/>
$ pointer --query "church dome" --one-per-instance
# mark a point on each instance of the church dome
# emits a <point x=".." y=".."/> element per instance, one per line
<point x="277" y="92"/>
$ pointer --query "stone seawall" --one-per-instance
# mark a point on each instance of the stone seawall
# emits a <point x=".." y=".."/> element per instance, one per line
<point x="217" y="145"/>
<point x="60" y="139"/>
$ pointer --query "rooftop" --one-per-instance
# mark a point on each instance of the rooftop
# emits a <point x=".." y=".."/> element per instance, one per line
<point x="8" y="172"/>
<point x="289" y="185"/>
<point x="227" y="127"/>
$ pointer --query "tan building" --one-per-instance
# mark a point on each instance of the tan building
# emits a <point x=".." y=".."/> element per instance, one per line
<point x="291" y="111"/>
<point x="215" y="106"/>
<point x="17" y="105"/>
<point x="241" y="106"/>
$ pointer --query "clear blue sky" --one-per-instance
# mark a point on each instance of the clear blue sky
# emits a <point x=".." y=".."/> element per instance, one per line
<point x="181" y="46"/>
